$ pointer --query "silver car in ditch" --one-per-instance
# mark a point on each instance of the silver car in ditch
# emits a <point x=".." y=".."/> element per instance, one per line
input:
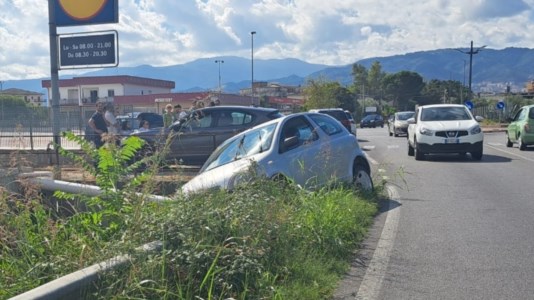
<point x="309" y="149"/>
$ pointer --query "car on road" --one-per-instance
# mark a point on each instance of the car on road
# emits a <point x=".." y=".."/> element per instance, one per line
<point x="309" y="149"/>
<point x="521" y="128"/>
<point x="339" y="114"/>
<point x="444" y="128"/>
<point x="398" y="124"/>
<point x="372" y="121"/>
<point x="192" y="139"/>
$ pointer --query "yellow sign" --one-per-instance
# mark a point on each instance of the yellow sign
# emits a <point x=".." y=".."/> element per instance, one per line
<point x="82" y="9"/>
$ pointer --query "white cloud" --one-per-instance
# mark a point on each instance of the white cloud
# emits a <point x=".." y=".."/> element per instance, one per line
<point x="168" y="32"/>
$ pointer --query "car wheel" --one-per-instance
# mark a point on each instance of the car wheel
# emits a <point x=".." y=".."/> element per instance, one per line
<point x="362" y="179"/>
<point x="522" y="145"/>
<point x="395" y="132"/>
<point x="410" y="149"/>
<point x="417" y="153"/>
<point x="508" y="142"/>
<point x="391" y="134"/>
<point x="477" y="155"/>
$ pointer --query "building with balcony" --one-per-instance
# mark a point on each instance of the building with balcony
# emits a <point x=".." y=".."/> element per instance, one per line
<point x="84" y="91"/>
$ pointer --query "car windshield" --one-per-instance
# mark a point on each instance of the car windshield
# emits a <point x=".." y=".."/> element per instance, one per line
<point x="242" y="146"/>
<point x="369" y="118"/>
<point x="404" y="116"/>
<point x="445" y="114"/>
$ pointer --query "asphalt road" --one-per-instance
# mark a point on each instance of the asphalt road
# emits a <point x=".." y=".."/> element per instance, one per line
<point x="458" y="228"/>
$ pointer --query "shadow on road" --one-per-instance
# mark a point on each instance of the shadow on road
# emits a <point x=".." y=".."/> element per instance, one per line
<point x="455" y="158"/>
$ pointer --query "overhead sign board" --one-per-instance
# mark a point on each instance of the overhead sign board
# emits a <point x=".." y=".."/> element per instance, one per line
<point x="85" y="12"/>
<point x="88" y="50"/>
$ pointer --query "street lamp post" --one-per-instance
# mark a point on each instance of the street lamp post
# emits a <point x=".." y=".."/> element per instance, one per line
<point x="471" y="52"/>
<point x="252" y="33"/>
<point x="219" y="62"/>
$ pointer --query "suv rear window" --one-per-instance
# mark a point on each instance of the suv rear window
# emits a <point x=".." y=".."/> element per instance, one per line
<point x="338" y="114"/>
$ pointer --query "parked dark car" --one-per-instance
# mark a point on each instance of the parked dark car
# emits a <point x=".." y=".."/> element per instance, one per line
<point x="339" y="114"/>
<point x="372" y="121"/>
<point x="192" y="139"/>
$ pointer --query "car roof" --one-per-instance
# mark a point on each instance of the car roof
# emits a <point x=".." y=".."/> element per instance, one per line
<point x="325" y="109"/>
<point x="250" y="108"/>
<point x="442" y="105"/>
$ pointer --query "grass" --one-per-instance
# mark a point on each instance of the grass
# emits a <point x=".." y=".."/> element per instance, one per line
<point x="263" y="241"/>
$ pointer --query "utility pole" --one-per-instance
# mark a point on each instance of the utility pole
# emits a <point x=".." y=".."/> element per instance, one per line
<point x="219" y="62"/>
<point x="252" y="33"/>
<point x="471" y="52"/>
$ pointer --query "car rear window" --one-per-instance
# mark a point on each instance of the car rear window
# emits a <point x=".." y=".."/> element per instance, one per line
<point x="340" y="115"/>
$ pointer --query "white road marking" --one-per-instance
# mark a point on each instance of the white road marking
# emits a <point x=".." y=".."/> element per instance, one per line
<point x="495" y="144"/>
<point x="370" y="147"/>
<point x="376" y="271"/>
<point x="511" y="153"/>
<point x="393" y="146"/>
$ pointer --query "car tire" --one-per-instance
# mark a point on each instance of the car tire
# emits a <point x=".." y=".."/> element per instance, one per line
<point x="509" y="143"/>
<point x="362" y="179"/>
<point x="417" y="153"/>
<point x="390" y="134"/>
<point x="522" y="145"/>
<point x="477" y="155"/>
<point x="395" y="132"/>
<point x="410" y="149"/>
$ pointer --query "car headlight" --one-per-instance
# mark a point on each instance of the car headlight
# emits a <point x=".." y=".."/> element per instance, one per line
<point x="426" y="131"/>
<point x="475" y="130"/>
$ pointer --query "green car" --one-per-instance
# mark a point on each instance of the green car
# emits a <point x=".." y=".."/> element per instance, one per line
<point x="521" y="128"/>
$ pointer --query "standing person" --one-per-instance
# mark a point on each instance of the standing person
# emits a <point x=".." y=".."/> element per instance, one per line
<point x="168" y="116"/>
<point x="98" y="124"/>
<point x="111" y="120"/>
<point x="179" y="113"/>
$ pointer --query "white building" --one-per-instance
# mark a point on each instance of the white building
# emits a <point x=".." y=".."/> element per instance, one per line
<point x="84" y="91"/>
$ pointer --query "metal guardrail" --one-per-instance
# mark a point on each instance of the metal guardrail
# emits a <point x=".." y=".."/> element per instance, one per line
<point x="71" y="286"/>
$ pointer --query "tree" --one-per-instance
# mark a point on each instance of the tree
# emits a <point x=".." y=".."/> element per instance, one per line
<point x="403" y="88"/>
<point x="374" y="80"/>
<point x="360" y="76"/>
<point x="438" y="91"/>
<point x="327" y="94"/>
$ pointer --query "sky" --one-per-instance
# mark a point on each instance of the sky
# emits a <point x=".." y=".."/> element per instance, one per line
<point x="331" y="32"/>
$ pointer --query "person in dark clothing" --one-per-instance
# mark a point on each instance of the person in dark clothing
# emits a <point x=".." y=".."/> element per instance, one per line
<point x="98" y="124"/>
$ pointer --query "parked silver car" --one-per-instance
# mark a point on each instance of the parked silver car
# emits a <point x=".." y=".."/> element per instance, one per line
<point x="311" y="149"/>
<point x="398" y="124"/>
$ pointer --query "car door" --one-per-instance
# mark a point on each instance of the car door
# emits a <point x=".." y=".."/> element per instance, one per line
<point x="515" y="126"/>
<point x="192" y="141"/>
<point x="303" y="161"/>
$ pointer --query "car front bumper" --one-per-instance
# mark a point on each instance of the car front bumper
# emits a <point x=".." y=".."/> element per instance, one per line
<point x="450" y="148"/>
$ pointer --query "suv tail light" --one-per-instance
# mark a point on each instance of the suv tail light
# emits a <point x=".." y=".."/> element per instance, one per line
<point x="527" y="127"/>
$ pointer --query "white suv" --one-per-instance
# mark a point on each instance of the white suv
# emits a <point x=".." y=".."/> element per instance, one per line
<point x="444" y="128"/>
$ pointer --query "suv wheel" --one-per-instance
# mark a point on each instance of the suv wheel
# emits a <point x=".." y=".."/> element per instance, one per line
<point x="410" y="149"/>
<point x="477" y="155"/>
<point x="522" y="145"/>
<point x="417" y="153"/>
<point x="508" y="142"/>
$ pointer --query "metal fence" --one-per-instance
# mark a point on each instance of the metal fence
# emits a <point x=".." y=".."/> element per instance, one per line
<point x="25" y="128"/>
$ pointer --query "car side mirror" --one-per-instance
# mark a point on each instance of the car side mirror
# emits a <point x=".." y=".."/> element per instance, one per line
<point x="479" y="118"/>
<point x="410" y="121"/>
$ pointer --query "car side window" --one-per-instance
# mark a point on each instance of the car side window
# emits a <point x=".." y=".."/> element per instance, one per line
<point x="200" y="120"/>
<point x="521" y="115"/>
<point x="240" y="118"/>
<point x="326" y="124"/>
<point x="295" y="133"/>
<point x="531" y="113"/>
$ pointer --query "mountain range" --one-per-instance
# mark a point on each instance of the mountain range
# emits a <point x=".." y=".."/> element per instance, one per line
<point x="492" y="70"/>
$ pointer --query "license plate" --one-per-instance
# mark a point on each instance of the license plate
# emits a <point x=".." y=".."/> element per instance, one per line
<point x="452" y="141"/>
